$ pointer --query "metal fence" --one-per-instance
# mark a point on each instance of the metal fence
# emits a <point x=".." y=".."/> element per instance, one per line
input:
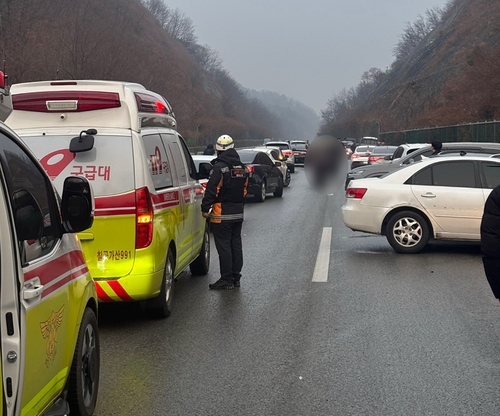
<point x="473" y="132"/>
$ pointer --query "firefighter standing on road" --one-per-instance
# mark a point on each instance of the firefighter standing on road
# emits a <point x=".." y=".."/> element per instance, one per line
<point x="225" y="195"/>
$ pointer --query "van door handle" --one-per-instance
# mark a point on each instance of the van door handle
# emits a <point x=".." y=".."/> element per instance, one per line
<point x="33" y="289"/>
<point x="428" y="195"/>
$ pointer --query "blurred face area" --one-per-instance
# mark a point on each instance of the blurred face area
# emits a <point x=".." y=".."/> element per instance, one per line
<point x="326" y="164"/>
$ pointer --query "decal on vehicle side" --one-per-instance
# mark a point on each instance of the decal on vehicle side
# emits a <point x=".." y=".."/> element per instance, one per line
<point x="49" y="332"/>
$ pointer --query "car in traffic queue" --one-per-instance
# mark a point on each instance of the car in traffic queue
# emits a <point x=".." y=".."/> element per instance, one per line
<point x="200" y="163"/>
<point x="278" y="158"/>
<point x="49" y="338"/>
<point x="360" y="156"/>
<point x="299" y="148"/>
<point x="440" y="198"/>
<point x="414" y="154"/>
<point x="123" y="139"/>
<point x="287" y="151"/>
<point x="381" y="155"/>
<point x="263" y="175"/>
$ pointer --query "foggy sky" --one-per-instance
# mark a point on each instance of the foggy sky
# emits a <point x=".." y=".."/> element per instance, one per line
<point x="307" y="50"/>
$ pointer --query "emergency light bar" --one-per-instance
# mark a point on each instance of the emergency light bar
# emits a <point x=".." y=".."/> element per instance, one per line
<point x="68" y="101"/>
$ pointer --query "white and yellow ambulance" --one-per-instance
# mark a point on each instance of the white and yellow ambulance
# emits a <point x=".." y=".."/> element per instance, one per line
<point x="49" y="336"/>
<point x="148" y="226"/>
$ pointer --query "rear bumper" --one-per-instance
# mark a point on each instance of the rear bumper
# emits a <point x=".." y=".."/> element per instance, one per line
<point x="362" y="218"/>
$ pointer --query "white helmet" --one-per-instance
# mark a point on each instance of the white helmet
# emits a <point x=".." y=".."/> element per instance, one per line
<point x="224" y="142"/>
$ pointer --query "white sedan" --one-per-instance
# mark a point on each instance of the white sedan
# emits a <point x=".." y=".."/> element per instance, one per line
<point x="439" y="197"/>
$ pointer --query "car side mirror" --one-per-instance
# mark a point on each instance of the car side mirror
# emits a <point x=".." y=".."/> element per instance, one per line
<point x="388" y="157"/>
<point x="28" y="216"/>
<point x="204" y="170"/>
<point x="77" y="207"/>
<point x="277" y="164"/>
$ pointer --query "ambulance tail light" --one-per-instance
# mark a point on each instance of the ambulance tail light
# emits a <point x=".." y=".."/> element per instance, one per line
<point x="150" y="104"/>
<point x="67" y="101"/>
<point x="144" y="218"/>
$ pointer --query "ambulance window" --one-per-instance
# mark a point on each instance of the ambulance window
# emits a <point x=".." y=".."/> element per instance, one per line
<point x="23" y="174"/>
<point x="177" y="158"/>
<point x="190" y="164"/>
<point x="158" y="164"/>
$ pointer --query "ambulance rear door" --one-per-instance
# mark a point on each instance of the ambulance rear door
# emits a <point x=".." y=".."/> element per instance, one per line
<point x="109" y="246"/>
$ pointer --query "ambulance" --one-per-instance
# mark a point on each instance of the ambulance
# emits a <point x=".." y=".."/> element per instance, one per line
<point x="49" y="338"/>
<point x="148" y="226"/>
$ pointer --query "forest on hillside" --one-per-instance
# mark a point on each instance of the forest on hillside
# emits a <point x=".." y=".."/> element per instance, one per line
<point x="141" y="41"/>
<point x="445" y="72"/>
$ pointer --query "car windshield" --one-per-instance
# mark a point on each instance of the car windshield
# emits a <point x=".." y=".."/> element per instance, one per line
<point x="384" y="150"/>
<point x="298" y="146"/>
<point x="363" y="149"/>
<point x="282" y="146"/>
<point x="246" y="157"/>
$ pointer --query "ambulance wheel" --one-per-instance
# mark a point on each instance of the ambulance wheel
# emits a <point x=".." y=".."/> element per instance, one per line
<point x="201" y="264"/>
<point x="84" y="376"/>
<point x="261" y="197"/>
<point x="161" y="306"/>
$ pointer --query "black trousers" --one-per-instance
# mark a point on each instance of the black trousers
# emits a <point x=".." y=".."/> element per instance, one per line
<point x="227" y="236"/>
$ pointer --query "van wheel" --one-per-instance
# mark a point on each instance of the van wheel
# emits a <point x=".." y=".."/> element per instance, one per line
<point x="201" y="264"/>
<point x="261" y="196"/>
<point x="161" y="306"/>
<point x="84" y="375"/>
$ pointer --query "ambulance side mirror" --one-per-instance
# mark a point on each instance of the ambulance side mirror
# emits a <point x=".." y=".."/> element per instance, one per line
<point x="204" y="170"/>
<point x="84" y="142"/>
<point x="77" y="205"/>
<point x="28" y="216"/>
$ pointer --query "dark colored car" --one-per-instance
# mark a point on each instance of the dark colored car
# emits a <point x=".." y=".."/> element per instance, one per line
<point x="379" y="155"/>
<point x="299" y="149"/>
<point x="376" y="171"/>
<point x="264" y="175"/>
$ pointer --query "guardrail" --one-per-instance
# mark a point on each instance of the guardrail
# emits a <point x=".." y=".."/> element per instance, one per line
<point x="472" y="132"/>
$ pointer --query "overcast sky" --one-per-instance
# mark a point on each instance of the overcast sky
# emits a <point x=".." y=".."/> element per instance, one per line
<point x="308" y="50"/>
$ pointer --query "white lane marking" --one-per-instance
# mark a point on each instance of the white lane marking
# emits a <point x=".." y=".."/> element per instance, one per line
<point x="323" y="260"/>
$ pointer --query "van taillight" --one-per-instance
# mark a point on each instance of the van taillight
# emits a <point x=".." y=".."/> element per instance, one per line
<point x="144" y="218"/>
<point x="67" y="101"/>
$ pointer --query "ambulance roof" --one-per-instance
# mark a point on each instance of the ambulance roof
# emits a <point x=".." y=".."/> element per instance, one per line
<point x="88" y="104"/>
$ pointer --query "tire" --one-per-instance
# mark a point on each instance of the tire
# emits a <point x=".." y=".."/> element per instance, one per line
<point x="84" y="373"/>
<point x="288" y="178"/>
<point x="161" y="306"/>
<point x="292" y="169"/>
<point x="261" y="197"/>
<point x="201" y="265"/>
<point x="278" y="193"/>
<point x="407" y="232"/>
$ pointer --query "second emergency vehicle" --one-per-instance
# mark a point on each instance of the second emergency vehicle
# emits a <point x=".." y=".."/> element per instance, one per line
<point x="49" y="340"/>
<point x="148" y="226"/>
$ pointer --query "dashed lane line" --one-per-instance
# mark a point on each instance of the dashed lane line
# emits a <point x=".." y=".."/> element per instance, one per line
<point x="323" y="259"/>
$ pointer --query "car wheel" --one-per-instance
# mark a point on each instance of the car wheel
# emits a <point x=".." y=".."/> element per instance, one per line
<point x="261" y="196"/>
<point x="278" y="193"/>
<point x="161" y="306"/>
<point x="201" y="264"/>
<point x="84" y="375"/>
<point x="292" y="169"/>
<point x="407" y="232"/>
<point x="288" y="178"/>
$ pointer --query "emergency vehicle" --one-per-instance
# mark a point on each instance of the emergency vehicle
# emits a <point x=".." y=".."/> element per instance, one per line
<point x="49" y="336"/>
<point x="148" y="225"/>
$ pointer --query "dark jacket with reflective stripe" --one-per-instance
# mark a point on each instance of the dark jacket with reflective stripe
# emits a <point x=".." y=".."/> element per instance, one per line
<point x="490" y="240"/>
<point x="226" y="188"/>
